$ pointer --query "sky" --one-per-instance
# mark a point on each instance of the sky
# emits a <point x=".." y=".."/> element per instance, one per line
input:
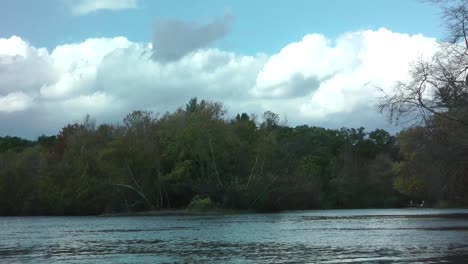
<point x="320" y="63"/>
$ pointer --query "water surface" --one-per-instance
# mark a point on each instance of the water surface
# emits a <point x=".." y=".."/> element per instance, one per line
<point x="331" y="236"/>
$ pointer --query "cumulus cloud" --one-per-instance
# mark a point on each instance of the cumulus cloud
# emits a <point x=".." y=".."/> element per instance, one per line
<point x="344" y="73"/>
<point x="315" y="81"/>
<point x="23" y="67"/>
<point x="84" y="7"/>
<point x="173" y="39"/>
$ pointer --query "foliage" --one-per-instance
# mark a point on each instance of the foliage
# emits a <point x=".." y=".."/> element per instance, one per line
<point x="156" y="162"/>
<point x="202" y="205"/>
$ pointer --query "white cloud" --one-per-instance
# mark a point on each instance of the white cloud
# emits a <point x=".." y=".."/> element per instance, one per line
<point x="23" y="67"/>
<point x="343" y="74"/>
<point x="13" y="102"/>
<point x="313" y="81"/>
<point x="77" y="66"/>
<point x="84" y="7"/>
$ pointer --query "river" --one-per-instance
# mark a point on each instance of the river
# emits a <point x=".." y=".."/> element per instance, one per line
<point x="323" y="236"/>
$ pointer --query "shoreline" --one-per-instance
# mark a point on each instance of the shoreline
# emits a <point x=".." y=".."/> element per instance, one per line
<point x="178" y="212"/>
<point x="186" y="212"/>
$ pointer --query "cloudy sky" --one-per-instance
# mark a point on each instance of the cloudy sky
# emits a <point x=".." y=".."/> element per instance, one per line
<point x="312" y="62"/>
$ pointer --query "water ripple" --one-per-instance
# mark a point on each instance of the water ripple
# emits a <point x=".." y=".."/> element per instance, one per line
<point x="275" y="238"/>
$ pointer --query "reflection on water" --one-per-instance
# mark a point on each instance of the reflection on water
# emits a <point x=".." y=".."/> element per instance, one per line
<point x="335" y="236"/>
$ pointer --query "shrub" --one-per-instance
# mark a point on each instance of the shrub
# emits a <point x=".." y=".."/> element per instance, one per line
<point x="202" y="204"/>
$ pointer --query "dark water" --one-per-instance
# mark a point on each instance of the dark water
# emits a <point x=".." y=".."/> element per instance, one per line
<point x="334" y="236"/>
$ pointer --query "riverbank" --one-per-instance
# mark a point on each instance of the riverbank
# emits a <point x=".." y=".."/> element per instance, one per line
<point x="180" y="212"/>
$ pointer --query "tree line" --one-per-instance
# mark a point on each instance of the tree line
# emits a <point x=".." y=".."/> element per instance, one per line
<point x="160" y="162"/>
<point x="152" y="162"/>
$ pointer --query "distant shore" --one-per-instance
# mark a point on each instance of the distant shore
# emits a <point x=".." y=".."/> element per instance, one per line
<point x="177" y="212"/>
<point x="187" y="212"/>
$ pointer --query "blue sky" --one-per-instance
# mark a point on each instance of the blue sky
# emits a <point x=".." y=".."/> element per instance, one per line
<point x="258" y="26"/>
<point x="320" y="62"/>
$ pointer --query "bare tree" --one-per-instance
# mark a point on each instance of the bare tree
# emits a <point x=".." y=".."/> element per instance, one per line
<point x="438" y="86"/>
<point x="454" y="14"/>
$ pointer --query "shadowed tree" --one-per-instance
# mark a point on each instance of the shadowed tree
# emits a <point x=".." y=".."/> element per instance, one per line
<point x="434" y="154"/>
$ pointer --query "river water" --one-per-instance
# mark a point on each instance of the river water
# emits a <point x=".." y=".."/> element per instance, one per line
<point x="329" y="236"/>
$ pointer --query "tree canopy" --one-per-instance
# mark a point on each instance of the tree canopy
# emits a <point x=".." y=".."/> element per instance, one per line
<point x="156" y="162"/>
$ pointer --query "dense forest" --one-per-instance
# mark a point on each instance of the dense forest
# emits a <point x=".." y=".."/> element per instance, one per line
<point x="162" y="162"/>
<point x="199" y="153"/>
<point x="152" y="162"/>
